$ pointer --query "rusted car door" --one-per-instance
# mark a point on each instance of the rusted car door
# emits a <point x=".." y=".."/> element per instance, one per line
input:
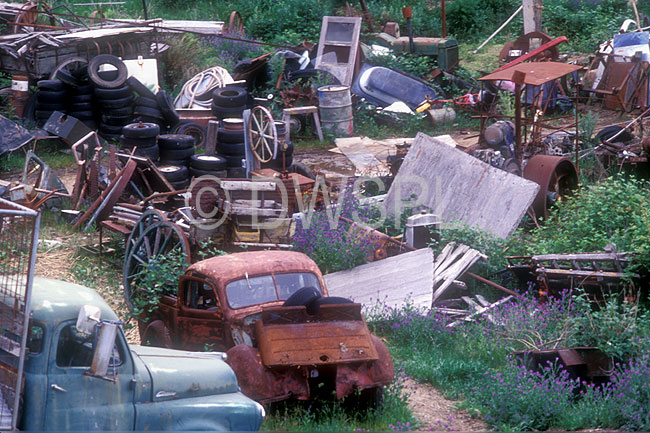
<point x="200" y="321"/>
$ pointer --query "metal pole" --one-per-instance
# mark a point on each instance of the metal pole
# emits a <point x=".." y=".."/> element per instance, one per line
<point x="512" y="17"/>
<point x="408" y="14"/>
<point x="144" y="8"/>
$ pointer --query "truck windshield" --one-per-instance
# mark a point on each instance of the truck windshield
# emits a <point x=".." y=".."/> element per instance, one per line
<point x="267" y="288"/>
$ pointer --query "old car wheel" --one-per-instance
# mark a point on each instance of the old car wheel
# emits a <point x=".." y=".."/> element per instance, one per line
<point x="160" y="239"/>
<point x="156" y="334"/>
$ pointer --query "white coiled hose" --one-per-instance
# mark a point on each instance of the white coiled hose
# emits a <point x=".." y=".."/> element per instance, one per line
<point x="196" y="93"/>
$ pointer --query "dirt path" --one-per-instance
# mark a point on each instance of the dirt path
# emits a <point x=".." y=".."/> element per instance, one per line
<point x="436" y="413"/>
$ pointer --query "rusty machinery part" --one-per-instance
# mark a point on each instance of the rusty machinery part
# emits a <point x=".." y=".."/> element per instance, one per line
<point x="235" y="23"/>
<point x="298" y="96"/>
<point x="527" y="43"/>
<point x="557" y="178"/>
<point x="262" y="134"/>
<point x="163" y="238"/>
<point x="32" y="15"/>
<point x="146" y="220"/>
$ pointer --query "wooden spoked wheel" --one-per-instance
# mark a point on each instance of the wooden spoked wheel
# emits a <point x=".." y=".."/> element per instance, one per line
<point x="235" y="23"/>
<point x="146" y="220"/>
<point x="262" y="134"/>
<point x="159" y="239"/>
<point x="33" y="16"/>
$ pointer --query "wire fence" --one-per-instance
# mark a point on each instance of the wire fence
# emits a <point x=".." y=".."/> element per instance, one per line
<point x="19" y="228"/>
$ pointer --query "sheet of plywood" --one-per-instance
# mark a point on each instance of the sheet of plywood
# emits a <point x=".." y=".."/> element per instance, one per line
<point x="460" y="188"/>
<point x="391" y="281"/>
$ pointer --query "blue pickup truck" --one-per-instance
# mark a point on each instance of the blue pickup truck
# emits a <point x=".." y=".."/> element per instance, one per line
<point x="141" y="388"/>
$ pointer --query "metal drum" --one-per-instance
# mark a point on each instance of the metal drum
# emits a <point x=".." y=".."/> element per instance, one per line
<point x="335" y="108"/>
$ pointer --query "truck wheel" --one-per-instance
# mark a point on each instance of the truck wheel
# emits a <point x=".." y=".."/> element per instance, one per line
<point x="156" y="334"/>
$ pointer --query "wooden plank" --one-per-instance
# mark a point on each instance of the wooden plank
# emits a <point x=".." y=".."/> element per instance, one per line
<point x="582" y="256"/>
<point x="484" y="302"/>
<point x="479" y="313"/>
<point x="348" y="27"/>
<point x="11" y="320"/>
<point x="392" y="281"/>
<point x="10" y="346"/>
<point x="460" y="188"/>
<point x="361" y="157"/>
<point x="242" y="185"/>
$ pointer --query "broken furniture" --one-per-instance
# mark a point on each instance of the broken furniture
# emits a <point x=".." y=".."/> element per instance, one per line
<point x="338" y="47"/>
<point x="288" y="112"/>
<point x="597" y="273"/>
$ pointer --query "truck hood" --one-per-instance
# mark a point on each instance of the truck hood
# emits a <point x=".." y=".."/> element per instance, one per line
<point x="179" y="374"/>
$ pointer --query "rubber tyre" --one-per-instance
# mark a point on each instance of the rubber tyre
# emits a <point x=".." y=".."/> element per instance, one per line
<point x="42" y="115"/>
<point x="156" y="334"/>
<point x="179" y="162"/>
<point x="303" y="296"/>
<point x="115" y="103"/>
<point x="119" y="112"/>
<point x="41" y="106"/>
<point x="180" y="185"/>
<point x="86" y="89"/>
<point x="208" y="162"/>
<point x="118" y="93"/>
<point x="302" y="169"/>
<point x="174" y="173"/>
<point x="81" y="106"/>
<point x="154" y="120"/>
<point x="67" y="78"/>
<point x="137" y="142"/>
<point x="150" y="112"/>
<point x="141" y="130"/>
<point x="116" y="121"/>
<point x="81" y="98"/>
<point x="176" y="141"/>
<point x="193" y="129"/>
<point x="233" y="161"/>
<point x="197" y="172"/>
<point x="231" y="149"/>
<point x="610" y="131"/>
<point x="111" y="129"/>
<point x="223" y="113"/>
<point x="139" y="88"/>
<point x="142" y="101"/>
<point x="149" y="152"/>
<point x="224" y="136"/>
<point x="276" y="164"/>
<point x="314" y="306"/>
<point x="51" y="96"/>
<point x="82" y="115"/>
<point x="51" y="85"/>
<point x="176" y="154"/>
<point x="103" y="59"/>
<point x="229" y="97"/>
<point x="167" y="108"/>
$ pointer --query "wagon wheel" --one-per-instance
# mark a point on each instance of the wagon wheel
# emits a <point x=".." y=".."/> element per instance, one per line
<point x="65" y="65"/>
<point x="31" y="16"/>
<point x="159" y="239"/>
<point x="147" y="219"/>
<point x="235" y="23"/>
<point x="262" y="135"/>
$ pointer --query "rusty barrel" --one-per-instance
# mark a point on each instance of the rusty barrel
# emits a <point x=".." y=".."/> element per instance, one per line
<point x="335" y="108"/>
<point x="19" y="94"/>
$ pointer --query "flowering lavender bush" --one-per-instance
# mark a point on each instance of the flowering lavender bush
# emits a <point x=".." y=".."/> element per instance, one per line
<point x="630" y="394"/>
<point x="520" y="399"/>
<point x="327" y="240"/>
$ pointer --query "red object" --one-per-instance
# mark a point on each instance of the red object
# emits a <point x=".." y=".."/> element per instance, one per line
<point x="533" y="53"/>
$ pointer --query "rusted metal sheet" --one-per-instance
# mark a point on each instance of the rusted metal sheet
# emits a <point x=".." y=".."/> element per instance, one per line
<point x="584" y="363"/>
<point x="537" y="73"/>
<point x="315" y="340"/>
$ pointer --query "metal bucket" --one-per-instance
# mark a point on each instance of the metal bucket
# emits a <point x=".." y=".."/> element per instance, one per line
<point x="335" y="108"/>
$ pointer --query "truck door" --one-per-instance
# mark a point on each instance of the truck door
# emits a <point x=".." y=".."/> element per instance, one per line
<point x="200" y="318"/>
<point x="77" y="401"/>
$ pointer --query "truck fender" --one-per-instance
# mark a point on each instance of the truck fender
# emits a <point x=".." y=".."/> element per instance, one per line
<point x="157" y="334"/>
<point x="263" y="384"/>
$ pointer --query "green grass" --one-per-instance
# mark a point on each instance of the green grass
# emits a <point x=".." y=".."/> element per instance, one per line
<point x="50" y="151"/>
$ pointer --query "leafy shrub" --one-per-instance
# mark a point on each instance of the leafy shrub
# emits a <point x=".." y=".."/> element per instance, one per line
<point x="615" y="211"/>
<point x="631" y="394"/>
<point x="228" y="52"/>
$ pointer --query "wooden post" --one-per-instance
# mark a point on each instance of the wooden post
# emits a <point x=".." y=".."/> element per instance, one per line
<point x="444" y="18"/>
<point x="211" y="138"/>
<point x="532" y="15"/>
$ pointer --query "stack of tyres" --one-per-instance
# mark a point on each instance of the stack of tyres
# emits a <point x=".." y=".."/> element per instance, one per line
<point x="176" y="149"/>
<point x="50" y="97"/>
<point x="142" y="137"/>
<point x="176" y="175"/>
<point x="80" y="94"/>
<point x="231" y="147"/>
<point x="212" y="165"/>
<point x="229" y="102"/>
<point x="114" y="99"/>
<point x="145" y="105"/>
